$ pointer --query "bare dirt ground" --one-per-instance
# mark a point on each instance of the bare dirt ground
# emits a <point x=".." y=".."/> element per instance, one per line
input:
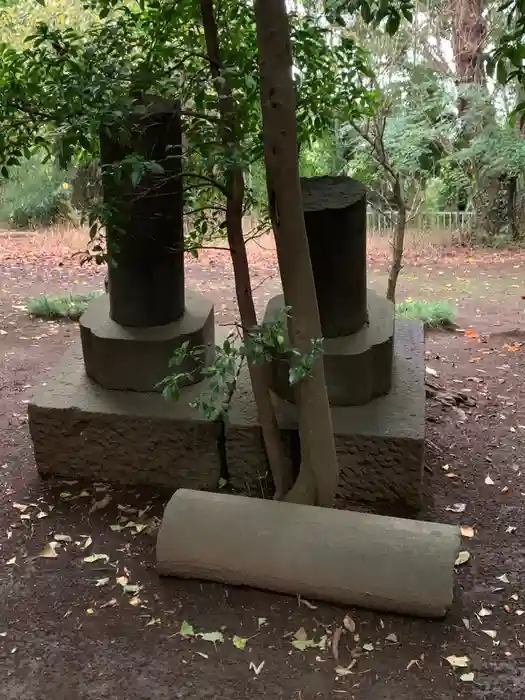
<point x="71" y="630"/>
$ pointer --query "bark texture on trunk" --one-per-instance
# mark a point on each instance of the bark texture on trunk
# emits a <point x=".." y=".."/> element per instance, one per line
<point x="398" y="243"/>
<point x="259" y="374"/>
<point x="318" y="476"/>
<point x="469" y="31"/>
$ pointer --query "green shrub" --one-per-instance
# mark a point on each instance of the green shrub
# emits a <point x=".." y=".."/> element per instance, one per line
<point x="71" y="306"/>
<point x="36" y="194"/>
<point x="434" y="314"/>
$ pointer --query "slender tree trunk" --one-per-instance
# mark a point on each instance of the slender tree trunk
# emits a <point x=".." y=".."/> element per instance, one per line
<point x="398" y="243"/>
<point x="318" y="476"/>
<point x="259" y="374"/>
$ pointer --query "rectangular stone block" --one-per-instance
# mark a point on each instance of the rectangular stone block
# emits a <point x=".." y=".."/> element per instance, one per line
<point x="380" y="445"/>
<point x="80" y="430"/>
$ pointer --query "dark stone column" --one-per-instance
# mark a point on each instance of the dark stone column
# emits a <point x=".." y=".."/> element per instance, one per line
<point x="335" y="218"/>
<point x="145" y="234"/>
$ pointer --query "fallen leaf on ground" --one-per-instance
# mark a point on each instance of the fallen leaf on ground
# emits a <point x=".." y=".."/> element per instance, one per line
<point x="239" y="642"/>
<point x="391" y="638"/>
<point x="110" y="604"/>
<point x="213" y="637"/>
<point x="345" y="670"/>
<point x="503" y="578"/>
<point x="368" y="647"/>
<point x="412" y="662"/>
<point x="471" y="333"/>
<point x="153" y="621"/>
<point x="102" y="581"/>
<point x="513" y="348"/>
<point x="256" y="669"/>
<point x="457" y="508"/>
<point x="467" y="531"/>
<point x="49" y="551"/>
<point x="22" y="507"/>
<point x="432" y="372"/>
<point x="96" y="557"/>
<point x="11" y="561"/>
<point x="100" y="505"/>
<point x="135" y="601"/>
<point x="490" y="633"/>
<point x="87" y="543"/>
<point x="306" y="603"/>
<point x="484" y="612"/>
<point x="186" y="630"/>
<point x="90" y="611"/>
<point x="462" y="558"/>
<point x="336" y="638"/>
<point x="458" y="661"/>
<point x="122" y="580"/>
<point x="467" y="677"/>
<point x="489" y="481"/>
<point x="62" y="538"/>
<point x="349" y="624"/>
<point x="261" y="621"/>
<point x="511" y="529"/>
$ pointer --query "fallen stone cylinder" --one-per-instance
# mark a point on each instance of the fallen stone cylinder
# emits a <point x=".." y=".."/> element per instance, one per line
<point x="348" y="558"/>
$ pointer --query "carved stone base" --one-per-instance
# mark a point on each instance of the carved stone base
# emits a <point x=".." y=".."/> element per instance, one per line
<point x="80" y="430"/>
<point x="380" y="445"/>
<point x="137" y="359"/>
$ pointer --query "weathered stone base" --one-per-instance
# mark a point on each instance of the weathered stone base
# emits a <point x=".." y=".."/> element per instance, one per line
<point x="81" y="430"/>
<point x="380" y="445"/>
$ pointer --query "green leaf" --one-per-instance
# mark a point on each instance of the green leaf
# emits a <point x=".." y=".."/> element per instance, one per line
<point x="213" y="637"/>
<point x="392" y="24"/>
<point x="186" y="630"/>
<point x="501" y="72"/>
<point x="239" y="642"/>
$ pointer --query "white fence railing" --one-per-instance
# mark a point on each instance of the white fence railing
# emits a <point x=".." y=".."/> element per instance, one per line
<point x="384" y="222"/>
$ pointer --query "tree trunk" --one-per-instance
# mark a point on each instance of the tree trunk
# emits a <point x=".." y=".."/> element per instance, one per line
<point x="259" y="374"/>
<point x="398" y="243"/>
<point x="318" y="476"/>
<point x="469" y="31"/>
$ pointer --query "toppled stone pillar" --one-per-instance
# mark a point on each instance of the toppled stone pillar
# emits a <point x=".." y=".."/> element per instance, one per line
<point x="129" y="336"/>
<point x="357" y="324"/>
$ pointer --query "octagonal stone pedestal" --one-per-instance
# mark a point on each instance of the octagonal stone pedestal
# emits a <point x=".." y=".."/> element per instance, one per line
<point x="358" y="367"/>
<point x="137" y="358"/>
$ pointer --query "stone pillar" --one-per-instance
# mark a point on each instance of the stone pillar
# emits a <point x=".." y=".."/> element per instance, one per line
<point x="145" y="234"/>
<point x="335" y="218"/>
<point x="357" y="324"/>
<point x="129" y="335"/>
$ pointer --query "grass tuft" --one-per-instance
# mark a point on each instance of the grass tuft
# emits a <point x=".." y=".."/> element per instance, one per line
<point x="71" y="306"/>
<point x="434" y="314"/>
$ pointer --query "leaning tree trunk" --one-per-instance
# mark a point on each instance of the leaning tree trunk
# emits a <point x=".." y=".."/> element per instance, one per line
<point x="318" y="476"/>
<point x="259" y="374"/>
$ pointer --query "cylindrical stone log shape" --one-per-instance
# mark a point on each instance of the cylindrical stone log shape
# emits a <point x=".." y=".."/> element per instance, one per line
<point x="145" y="235"/>
<point x="342" y="557"/>
<point x="335" y="219"/>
